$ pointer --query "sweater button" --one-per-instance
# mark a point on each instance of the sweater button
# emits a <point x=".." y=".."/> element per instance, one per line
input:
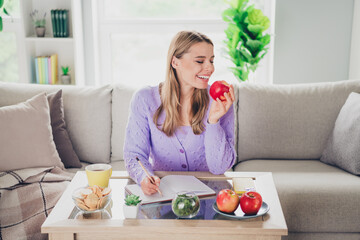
<point x="182" y="151"/>
<point x="183" y="166"/>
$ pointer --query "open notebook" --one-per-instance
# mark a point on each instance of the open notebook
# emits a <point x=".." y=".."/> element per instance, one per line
<point x="169" y="185"/>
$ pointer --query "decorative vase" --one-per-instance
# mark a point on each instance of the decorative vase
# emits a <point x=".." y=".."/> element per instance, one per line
<point x="40" y="31"/>
<point x="65" y="79"/>
<point x="131" y="211"/>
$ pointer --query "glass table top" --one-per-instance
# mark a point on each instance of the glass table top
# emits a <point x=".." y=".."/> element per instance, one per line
<point x="155" y="210"/>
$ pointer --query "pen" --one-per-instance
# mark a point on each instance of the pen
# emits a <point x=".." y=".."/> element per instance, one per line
<point x="148" y="175"/>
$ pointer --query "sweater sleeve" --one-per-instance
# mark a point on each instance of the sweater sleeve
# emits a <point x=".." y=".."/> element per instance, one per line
<point x="219" y="144"/>
<point x="137" y="137"/>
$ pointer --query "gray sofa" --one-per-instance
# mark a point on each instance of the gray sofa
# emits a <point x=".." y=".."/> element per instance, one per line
<point x="281" y="129"/>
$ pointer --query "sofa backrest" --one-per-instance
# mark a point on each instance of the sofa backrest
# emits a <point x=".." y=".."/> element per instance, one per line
<point x="87" y="113"/>
<point x="121" y="98"/>
<point x="288" y="121"/>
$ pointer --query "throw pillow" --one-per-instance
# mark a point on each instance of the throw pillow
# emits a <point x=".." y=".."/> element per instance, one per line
<point x="26" y="139"/>
<point x="60" y="134"/>
<point x="343" y="149"/>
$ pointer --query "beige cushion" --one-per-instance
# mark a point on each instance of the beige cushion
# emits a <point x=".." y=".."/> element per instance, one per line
<point x="288" y="121"/>
<point x="26" y="139"/>
<point x="60" y="134"/>
<point x="87" y="113"/>
<point x="120" y="113"/>
<point x="315" y="197"/>
<point x="343" y="146"/>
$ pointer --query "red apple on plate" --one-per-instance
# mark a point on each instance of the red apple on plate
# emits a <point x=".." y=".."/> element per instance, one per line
<point x="218" y="88"/>
<point x="250" y="202"/>
<point x="227" y="201"/>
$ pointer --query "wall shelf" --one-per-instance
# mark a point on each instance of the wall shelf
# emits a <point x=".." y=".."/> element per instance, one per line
<point x="70" y="50"/>
<point x="48" y="39"/>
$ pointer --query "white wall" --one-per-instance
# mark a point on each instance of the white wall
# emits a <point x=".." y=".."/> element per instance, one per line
<point x="88" y="43"/>
<point x="354" y="69"/>
<point x="312" y="40"/>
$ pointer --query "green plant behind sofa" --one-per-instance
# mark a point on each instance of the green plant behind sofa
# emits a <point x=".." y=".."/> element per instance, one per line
<point x="246" y="41"/>
<point x="2" y="10"/>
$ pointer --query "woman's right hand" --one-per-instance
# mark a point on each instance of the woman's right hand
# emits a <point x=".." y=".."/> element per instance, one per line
<point x="148" y="187"/>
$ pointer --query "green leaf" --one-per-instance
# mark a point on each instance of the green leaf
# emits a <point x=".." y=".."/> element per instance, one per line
<point x="254" y="46"/>
<point x="235" y="39"/>
<point x="265" y="23"/>
<point x="256" y="17"/>
<point x="265" y="39"/>
<point x="1" y="24"/>
<point x="6" y="12"/>
<point x="1" y="3"/>
<point x="241" y="4"/>
<point x="229" y="14"/>
<point x="256" y="30"/>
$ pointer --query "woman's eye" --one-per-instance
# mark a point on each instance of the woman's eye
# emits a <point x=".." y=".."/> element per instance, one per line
<point x="199" y="61"/>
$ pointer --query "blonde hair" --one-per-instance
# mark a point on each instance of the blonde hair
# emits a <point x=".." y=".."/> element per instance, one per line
<point x="170" y="89"/>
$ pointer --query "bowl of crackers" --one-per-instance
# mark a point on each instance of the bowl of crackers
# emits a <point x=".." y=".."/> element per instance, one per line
<point x="91" y="199"/>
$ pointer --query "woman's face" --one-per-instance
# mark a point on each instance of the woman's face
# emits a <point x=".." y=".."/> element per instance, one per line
<point x="195" y="67"/>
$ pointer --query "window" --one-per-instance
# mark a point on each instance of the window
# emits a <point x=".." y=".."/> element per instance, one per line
<point x="9" y="69"/>
<point x="134" y="37"/>
<point x="11" y="44"/>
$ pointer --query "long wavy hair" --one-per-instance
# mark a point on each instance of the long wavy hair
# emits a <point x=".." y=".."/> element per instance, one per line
<point x="170" y="89"/>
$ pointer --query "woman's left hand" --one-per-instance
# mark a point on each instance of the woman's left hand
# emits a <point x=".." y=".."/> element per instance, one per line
<point x="219" y="108"/>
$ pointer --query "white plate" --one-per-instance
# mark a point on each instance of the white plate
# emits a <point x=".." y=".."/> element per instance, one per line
<point x="239" y="214"/>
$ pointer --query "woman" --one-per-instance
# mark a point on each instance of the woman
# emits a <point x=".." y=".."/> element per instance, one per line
<point x="173" y="124"/>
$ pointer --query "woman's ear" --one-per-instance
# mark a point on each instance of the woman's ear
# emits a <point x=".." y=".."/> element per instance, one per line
<point x="174" y="62"/>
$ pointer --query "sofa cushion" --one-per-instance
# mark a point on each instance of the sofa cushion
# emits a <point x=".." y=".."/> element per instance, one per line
<point x="288" y="121"/>
<point x="59" y="131"/>
<point x="120" y="114"/>
<point x="315" y="197"/>
<point x="26" y="139"/>
<point x="87" y="113"/>
<point x="343" y="145"/>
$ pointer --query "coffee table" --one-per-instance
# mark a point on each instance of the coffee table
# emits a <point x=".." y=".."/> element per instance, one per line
<point x="156" y="221"/>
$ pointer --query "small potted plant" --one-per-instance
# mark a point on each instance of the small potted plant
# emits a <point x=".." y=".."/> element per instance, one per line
<point x="65" y="77"/>
<point x="39" y="23"/>
<point x="131" y="206"/>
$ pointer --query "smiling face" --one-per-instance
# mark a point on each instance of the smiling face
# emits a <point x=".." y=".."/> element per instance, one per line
<point x="195" y="67"/>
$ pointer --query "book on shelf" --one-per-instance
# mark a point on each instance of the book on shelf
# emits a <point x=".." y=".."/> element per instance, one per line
<point x="60" y="22"/>
<point x="46" y="69"/>
<point x="53" y="23"/>
<point x="54" y="68"/>
<point x="66" y="23"/>
<point x="37" y="77"/>
<point x="57" y="23"/>
<point x="49" y="70"/>
<point x="169" y="186"/>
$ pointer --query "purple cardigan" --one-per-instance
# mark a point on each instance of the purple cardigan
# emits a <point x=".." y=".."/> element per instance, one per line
<point x="213" y="150"/>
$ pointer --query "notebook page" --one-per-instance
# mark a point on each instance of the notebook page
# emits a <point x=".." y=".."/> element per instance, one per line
<point x="169" y="186"/>
<point x="180" y="183"/>
<point x="167" y="193"/>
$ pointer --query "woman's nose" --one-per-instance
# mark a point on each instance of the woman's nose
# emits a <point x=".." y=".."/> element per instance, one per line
<point x="209" y="67"/>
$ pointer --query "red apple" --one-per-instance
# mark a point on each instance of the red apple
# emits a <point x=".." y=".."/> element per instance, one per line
<point x="227" y="201"/>
<point x="250" y="202"/>
<point x="218" y="88"/>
